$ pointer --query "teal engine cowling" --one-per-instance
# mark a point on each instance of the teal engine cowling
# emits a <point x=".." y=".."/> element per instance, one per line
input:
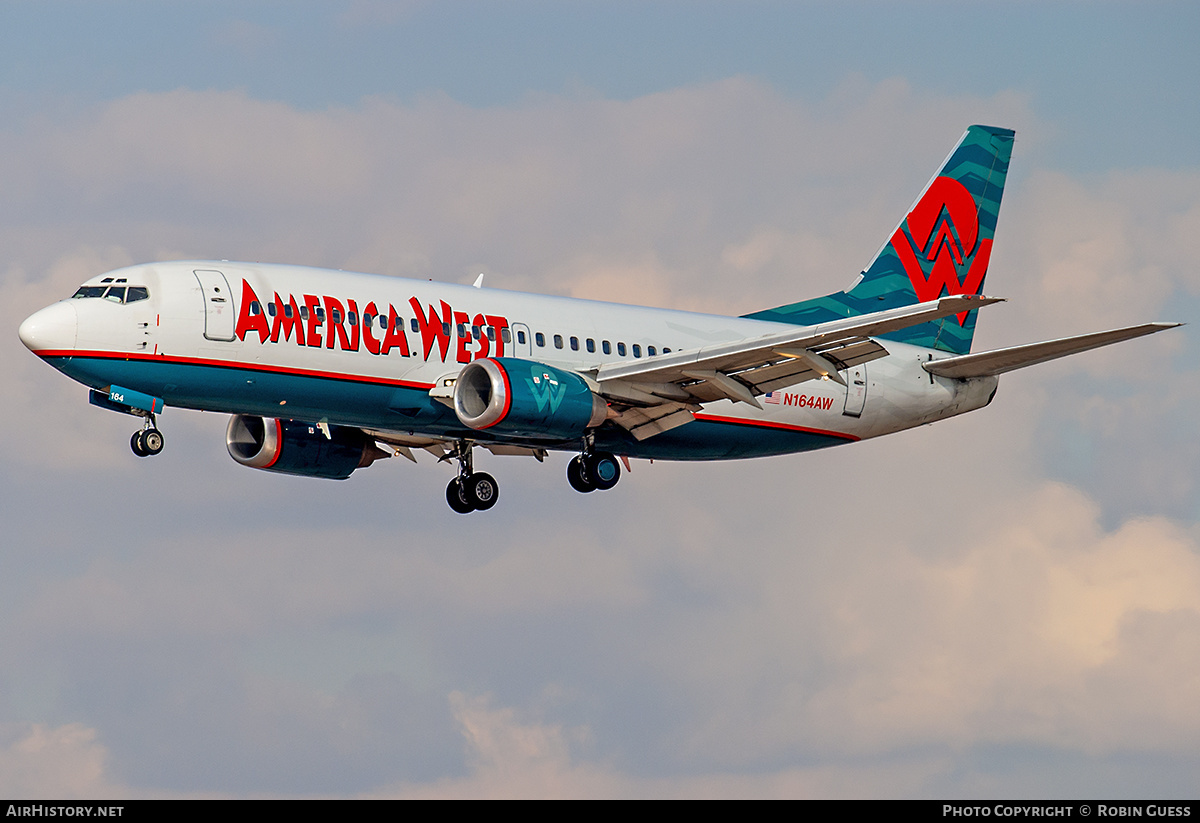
<point x="524" y="398"/>
<point x="289" y="447"/>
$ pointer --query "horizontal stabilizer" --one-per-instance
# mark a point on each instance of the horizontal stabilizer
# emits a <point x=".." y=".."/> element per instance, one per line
<point x="984" y="364"/>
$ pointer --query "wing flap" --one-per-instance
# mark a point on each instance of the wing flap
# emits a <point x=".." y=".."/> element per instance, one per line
<point x="984" y="364"/>
<point x="647" y="422"/>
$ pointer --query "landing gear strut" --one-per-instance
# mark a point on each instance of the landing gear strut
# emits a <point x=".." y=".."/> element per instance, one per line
<point x="149" y="441"/>
<point x="593" y="470"/>
<point x="471" y="490"/>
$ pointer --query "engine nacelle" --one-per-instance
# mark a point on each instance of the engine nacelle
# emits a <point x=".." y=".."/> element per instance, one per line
<point x="524" y="398"/>
<point x="289" y="447"/>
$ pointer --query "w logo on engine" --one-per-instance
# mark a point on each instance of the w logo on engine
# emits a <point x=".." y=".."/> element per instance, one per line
<point x="939" y="241"/>
<point x="546" y="388"/>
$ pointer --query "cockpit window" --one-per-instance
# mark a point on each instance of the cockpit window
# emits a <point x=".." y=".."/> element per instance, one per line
<point x="117" y="294"/>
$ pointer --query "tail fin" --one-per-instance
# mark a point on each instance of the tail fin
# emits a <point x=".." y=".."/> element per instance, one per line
<point x="942" y="247"/>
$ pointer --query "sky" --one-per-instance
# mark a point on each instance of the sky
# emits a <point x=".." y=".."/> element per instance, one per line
<point x="1005" y="604"/>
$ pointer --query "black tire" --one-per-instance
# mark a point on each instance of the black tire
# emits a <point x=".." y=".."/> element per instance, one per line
<point x="482" y="491"/>
<point x="457" y="499"/>
<point x="135" y="443"/>
<point x="603" y="470"/>
<point x="152" y="441"/>
<point x="578" y="477"/>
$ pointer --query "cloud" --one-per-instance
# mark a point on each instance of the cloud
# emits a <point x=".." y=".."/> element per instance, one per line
<point x="871" y="616"/>
<point x="1047" y="633"/>
<point x="65" y="763"/>
<point x="513" y="758"/>
<point x="1102" y="252"/>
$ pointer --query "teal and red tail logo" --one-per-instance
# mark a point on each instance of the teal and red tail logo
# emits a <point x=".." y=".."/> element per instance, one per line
<point x="939" y="244"/>
<point x="942" y="247"/>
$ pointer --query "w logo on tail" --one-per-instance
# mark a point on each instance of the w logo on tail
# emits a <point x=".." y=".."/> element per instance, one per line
<point x="941" y="247"/>
<point x="940" y="240"/>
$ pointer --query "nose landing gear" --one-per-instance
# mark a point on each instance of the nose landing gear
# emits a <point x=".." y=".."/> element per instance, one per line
<point x="147" y="442"/>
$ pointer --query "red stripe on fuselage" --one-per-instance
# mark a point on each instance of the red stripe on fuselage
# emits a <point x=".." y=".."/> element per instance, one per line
<point x="383" y="381"/>
<point x="232" y="364"/>
<point x="770" y="424"/>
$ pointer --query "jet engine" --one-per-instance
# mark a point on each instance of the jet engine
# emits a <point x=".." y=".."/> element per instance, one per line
<point x="289" y="447"/>
<point x="524" y="398"/>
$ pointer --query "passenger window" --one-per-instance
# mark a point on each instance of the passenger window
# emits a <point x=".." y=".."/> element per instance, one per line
<point x="304" y="312"/>
<point x="604" y="344"/>
<point x="591" y="345"/>
<point x="574" y="344"/>
<point x="475" y="332"/>
<point x="506" y="335"/>
<point x="353" y="318"/>
<point x="558" y="341"/>
<point x="320" y="315"/>
<point x="337" y="316"/>
<point x="254" y="309"/>
<point x="366" y="321"/>
<point x="540" y="339"/>
<point x="461" y="329"/>
<point x="446" y="329"/>
<point x="491" y="333"/>
<point x="89" y="291"/>
<point x="271" y="309"/>
<point x="287" y="311"/>
<point x="115" y="294"/>
<point x="521" y="337"/>
<point x="137" y="293"/>
<point x="650" y="351"/>
<point x="637" y="350"/>
<point x="621" y="349"/>
<point x="412" y="323"/>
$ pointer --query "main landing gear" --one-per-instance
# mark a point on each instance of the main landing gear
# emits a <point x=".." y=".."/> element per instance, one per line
<point x="593" y="470"/>
<point x="471" y="490"/>
<point x="147" y="442"/>
<point x="478" y="491"/>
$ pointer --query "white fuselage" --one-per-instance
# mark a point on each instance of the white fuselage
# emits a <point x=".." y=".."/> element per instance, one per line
<point x="217" y="336"/>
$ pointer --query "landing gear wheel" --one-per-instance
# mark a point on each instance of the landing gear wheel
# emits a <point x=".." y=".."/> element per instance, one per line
<point x="457" y="499"/>
<point x="602" y="470"/>
<point x="481" y="490"/>
<point x="152" y="441"/>
<point x="146" y="443"/>
<point x="578" y="477"/>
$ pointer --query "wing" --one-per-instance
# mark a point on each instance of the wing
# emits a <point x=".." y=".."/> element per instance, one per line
<point x="660" y="393"/>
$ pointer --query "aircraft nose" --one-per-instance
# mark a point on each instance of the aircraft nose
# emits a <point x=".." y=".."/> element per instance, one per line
<point x="51" y="329"/>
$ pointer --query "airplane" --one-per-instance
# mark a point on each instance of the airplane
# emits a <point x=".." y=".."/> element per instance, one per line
<point x="325" y="372"/>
